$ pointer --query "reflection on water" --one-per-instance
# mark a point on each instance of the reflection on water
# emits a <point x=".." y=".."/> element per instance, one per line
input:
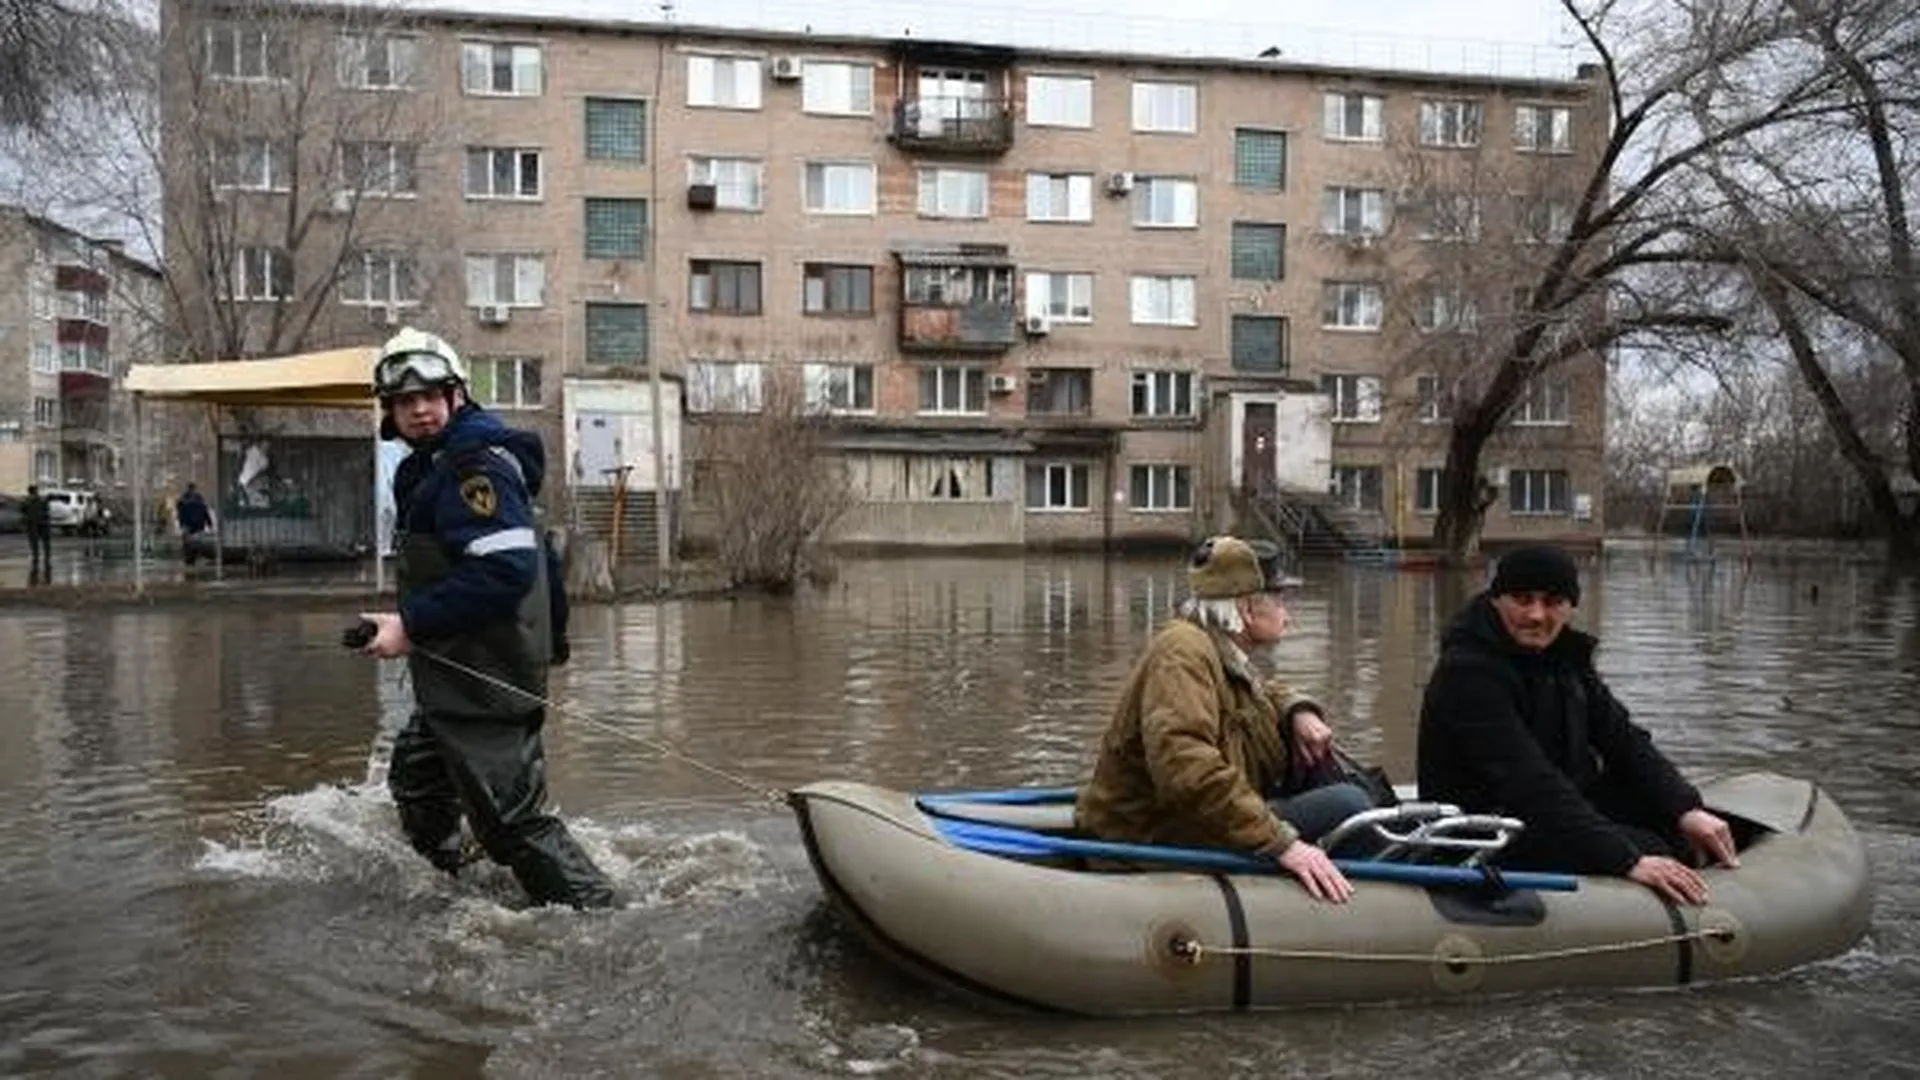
<point x="203" y="872"/>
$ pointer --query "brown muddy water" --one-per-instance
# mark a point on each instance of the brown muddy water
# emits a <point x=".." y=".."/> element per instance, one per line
<point x="202" y="877"/>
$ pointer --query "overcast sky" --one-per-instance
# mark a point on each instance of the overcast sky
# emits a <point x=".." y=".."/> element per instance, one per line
<point x="1518" y="37"/>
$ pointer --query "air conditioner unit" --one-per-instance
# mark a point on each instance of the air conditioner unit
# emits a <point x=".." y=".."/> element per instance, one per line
<point x="1119" y="183"/>
<point x="383" y="315"/>
<point x="702" y="196"/>
<point x="1001" y="384"/>
<point x="786" y="68"/>
<point x="495" y="314"/>
<point x="1036" y="325"/>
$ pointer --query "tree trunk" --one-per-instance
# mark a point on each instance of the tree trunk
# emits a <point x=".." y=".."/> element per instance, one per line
<point x="589" y="567"/>
<point x="1464" y="499"/>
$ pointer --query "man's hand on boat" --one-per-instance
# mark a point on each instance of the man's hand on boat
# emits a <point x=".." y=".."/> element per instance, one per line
<point x="1671" y="878"/>
<point x="1709" y="836"/>
<point x="1312" y="738"/>
<point x="1322" y="879"/>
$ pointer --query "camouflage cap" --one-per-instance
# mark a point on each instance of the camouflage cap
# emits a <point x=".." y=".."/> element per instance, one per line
<point x="1224" y="567"/>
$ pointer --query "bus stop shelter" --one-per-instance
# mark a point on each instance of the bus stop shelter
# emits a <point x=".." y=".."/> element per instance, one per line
<point x="330" y="379"/>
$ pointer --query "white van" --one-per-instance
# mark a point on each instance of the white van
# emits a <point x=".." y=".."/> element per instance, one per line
<point x="73" y="510"/>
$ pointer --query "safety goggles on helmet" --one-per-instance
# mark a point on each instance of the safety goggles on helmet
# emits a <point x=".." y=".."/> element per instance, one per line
<point x="405" y="371"/>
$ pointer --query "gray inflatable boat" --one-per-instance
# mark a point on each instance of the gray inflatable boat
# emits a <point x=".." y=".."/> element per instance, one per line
<point x="991" y="894"/>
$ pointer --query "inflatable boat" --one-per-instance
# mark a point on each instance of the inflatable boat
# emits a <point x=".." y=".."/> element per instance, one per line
<point x="991" y="893"/>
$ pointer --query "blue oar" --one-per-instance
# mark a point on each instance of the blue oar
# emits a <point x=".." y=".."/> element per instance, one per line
<point x="1002" y="840"/>
<point x="1032" y="796"/>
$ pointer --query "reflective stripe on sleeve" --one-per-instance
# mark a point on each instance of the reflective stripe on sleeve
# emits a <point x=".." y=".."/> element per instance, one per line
<point x="504" y="540"/>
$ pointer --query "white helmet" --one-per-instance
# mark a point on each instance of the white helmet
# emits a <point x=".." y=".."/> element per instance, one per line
<point x="416" y="360"/>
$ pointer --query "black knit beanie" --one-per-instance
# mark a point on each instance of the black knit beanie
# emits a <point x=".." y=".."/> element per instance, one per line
<point x="1539" y="568"/>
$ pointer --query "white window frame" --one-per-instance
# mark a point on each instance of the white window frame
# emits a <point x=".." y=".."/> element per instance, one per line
<point x="833" y="387"/>
<point x="1352" y="399"/>
<point x="361" y="264"/>
<point x="1060" y="198"/>
<point x="1175" y="113"/>
<point x="740" y="89"/>
<point x="518" y="366"/>
<point x="1451" y="219"/>
<point x="260" y="41"/>
<point x="1452" y="123"/>
<point x="353" y="48"/>
<point x="46" y="466"/>
<point x="1441" y="311"/>
<point x="266" y="267"/>
<point x="739" y="183"/>
<point x="1077" y="478"/>
<point x="1059" y="101"/>
<point x="735" y="387"/>
<point x="971" y="392"/>
<point x="942" y="194"/>
<point x="855" y="178"/>
<point x="1426" y="488"/>
<point x="1060" y="296"/>
<point x="1528" y="483"/>
<point x="393" y="152"/>
<point x="1163" y="300"/>
<point x="1430" y="400"/>
<point x="1545" y="221"/>
<point x="1357" y="306"/>
<point x="1333" y="117"/>
<point x="267" y="159"/>
<point x="1353" y="211"/>
<point x="836" y="88"/>
<point x="1166" y="202"/>
<point x="1546" y="401"/>
<point x="1162" y="482"/>
<point x="527" y="271"/>
<point x="46" y="412"/>
<point x="1527" y="128"/>
<point x="46" y="359"/>
<point x="1350" y="487"/>
<point x="1163" y="390"/>
<point x="519" y="155"/>
<point x="526" y="65"/>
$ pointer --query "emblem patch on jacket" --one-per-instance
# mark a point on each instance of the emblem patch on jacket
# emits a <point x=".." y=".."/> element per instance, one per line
<point x="477" y="493"/>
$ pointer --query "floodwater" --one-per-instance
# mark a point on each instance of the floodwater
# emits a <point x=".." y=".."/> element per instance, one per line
<point x="202" y="876"/>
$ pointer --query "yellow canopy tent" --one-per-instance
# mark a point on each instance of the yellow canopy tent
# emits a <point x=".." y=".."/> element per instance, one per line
<point x="331" y="379"/>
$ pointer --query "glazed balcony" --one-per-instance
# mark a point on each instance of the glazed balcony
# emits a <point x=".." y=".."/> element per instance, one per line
<point x="958" y="301"/>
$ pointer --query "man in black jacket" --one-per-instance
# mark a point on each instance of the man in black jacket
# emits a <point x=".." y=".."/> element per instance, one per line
<point x="1517" y="721"/>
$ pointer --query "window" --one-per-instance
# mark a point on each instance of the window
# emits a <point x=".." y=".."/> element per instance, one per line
<point x="75" y="357"/>
<point x="839" y="187"/>
<point x="616" y="228"/>
<point x="920" y="477"/>
<point x="1441" y="311"/>
<point x="379" y="168"/>
<point x="1166" y="107"/>
<point x="1355" y="398"/>
<point x="835" y="88"/>
<point x="958" y="286"/>
<point x="1059" y="392"/>
<point x="723" y="82"/>
<point x="1354" y="117"/>
<point x="1260" y="344"/>
<point x="1538" y="491"/>
<point x="1160" y="487"/>
<point x="261" y="273"/>
<point x="1163" y="394"/>
<point x="830" y="289"/>
<point x="1260" y="159"/>
<point x="1062" y="298"/>
<point x="252" y="164"/>
<point x="953" y="193"/>
<point x="45" y="360"/>
<point x="1543" y="129"/>
<point x="500" y="68"/>
<point x="737" y="182"/>
<point x="512" y="280"/>
<point x="1356" y="487"/>
<point x="46" y="412"/>
<point x="502" y="173"/>
<point x="46" y="466"/>
<point x="378" y="277"/>
<point x="1166" y="202"/>
<point x="839" y="388"/>
<point x="616" y="130"/>
<point x="1258" y="251"/>
<point x="617" y="334"/>
<point x="724" y="288"/>
<point x="953" y="390"/>
<point x="729" y="386"/>
<point x="1545" y="222"/>
<point x="244" y="52"/>
<point x="1543" y="403"/>
<point x="1060" y="197"/>
<point x="1451" y="218"/>
<point x="506" y="382"/>
<point x="1058" y="485"/>
<point x="377" y="61"/>
<point x="1163" y="301"/>
<point x="1432" y="399"/>
<point x="1426" y="490"/>
<point x="1450" y="123"/>
<point x="1060" y="101"/>
<point x="1351" y="305"/>
<point x="1350" y="211"/>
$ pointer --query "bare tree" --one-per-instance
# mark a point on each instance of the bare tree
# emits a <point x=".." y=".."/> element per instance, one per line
<point x="52" y="51"/>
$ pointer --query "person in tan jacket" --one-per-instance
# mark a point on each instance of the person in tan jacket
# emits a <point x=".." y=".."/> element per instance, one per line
<point x="1201" y="749"/>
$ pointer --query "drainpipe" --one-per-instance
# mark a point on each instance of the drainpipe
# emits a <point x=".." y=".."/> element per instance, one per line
<point x="662" y="525"/>
<point x="1106" y="504"/>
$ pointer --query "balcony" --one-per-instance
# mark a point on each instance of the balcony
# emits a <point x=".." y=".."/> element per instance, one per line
<point x="80" y="277"/>
<point x="958" y="300"/>
<point x="953" y="125"/>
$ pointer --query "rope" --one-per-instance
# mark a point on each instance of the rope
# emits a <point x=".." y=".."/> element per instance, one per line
<point x="1196" y="952"/>
<point x="770" y="794"/>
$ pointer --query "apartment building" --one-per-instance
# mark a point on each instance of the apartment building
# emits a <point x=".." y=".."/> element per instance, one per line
<point x="75" y="315"/>
<point x="1048" y="298"/>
